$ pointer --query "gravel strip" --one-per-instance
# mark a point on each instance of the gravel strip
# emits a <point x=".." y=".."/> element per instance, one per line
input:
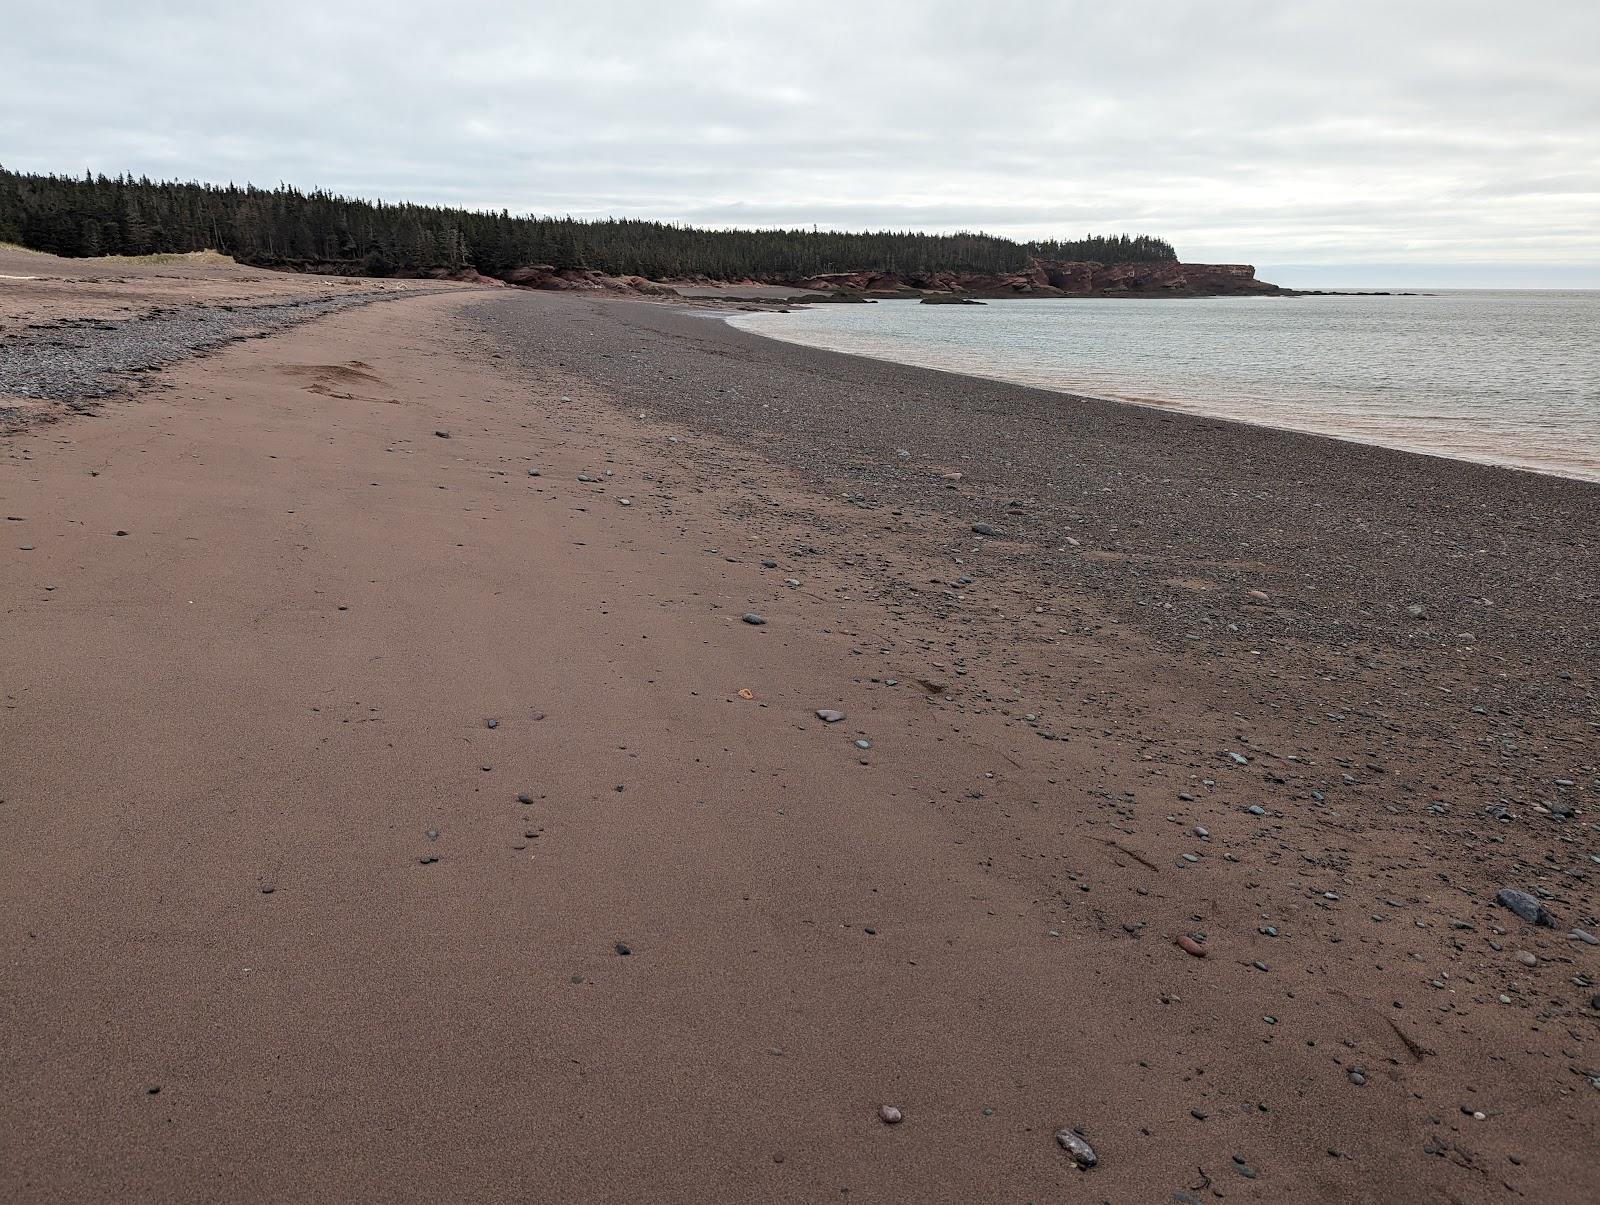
<point x="1172" y="518"/>
<point x="76" y="361"/>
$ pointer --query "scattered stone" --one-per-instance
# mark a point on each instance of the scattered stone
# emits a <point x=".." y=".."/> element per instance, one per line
<point x="1525" y="906"/>
<point x="1527" y="959"/>
<point x="751" y="618"/>
<point x="828" y="716"/>
<point x="863" y="744"/>
<point x="986" y="529"/>
<point x="491" y="723"/>
<point x="889" y="1115"/>
<point x="427" y="859"/>
<point x="1190" y="946"/>
<point x="442" y="434"/>
<point x="267" y="889"/>
<point x="1583" y="935"/>
<point x="622" y="948"/>
<point x="1082" y="1153"/>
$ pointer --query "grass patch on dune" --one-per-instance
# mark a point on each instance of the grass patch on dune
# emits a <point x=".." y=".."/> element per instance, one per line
<point x="163" y="257"/>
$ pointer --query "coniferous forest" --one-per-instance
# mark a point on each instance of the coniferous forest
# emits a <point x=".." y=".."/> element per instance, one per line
<point x="318" y="231"/>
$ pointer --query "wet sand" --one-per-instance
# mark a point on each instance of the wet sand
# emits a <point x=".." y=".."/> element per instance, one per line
<point x="282" y="676"/>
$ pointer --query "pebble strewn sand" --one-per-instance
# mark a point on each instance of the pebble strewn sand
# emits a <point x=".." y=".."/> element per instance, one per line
<point x="392" y="812"/>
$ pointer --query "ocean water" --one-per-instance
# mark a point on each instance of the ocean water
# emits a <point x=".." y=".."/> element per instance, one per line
<point x="1500" y="377"/>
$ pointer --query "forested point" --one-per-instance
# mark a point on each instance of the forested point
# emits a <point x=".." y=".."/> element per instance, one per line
<point x="287" y="228"/>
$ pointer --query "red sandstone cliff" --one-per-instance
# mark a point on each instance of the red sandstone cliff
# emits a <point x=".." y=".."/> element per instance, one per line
<point x="1059" y="279"/>
<point x="1041" y="278"/>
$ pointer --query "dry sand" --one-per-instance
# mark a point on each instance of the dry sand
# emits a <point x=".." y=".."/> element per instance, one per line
<point x="40" y="288"/>
<point x="282" y="676"/>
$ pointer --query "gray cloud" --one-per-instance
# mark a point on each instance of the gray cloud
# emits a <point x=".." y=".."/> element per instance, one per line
<point x="1302" y="134"/>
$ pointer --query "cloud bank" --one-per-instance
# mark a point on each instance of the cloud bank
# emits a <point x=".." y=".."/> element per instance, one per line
<point x="1316" y="136"/>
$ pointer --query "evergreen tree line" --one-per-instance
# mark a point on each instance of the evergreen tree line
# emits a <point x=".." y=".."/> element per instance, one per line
<point x="287" y="228"/>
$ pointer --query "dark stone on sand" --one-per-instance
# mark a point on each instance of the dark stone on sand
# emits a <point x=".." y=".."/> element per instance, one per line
<point x="442" y="434"/>
<point x="1525" y="906"/>
<point x="427" y="859"/>
<point x="752" y="618"/>
<point x="986" y="529"/>
<point x="1074" y="1144"/>
<point x="622" y="948"/>
<point x="491" y="723"/>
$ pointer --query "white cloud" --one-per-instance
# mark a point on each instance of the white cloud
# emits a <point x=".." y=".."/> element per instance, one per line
<point x="1434" y="131"/>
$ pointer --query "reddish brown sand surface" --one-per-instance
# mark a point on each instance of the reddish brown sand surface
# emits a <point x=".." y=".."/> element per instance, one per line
<point x="287" y="917"/>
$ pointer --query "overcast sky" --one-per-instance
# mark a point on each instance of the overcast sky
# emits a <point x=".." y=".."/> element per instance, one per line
<point x="1334" y="141"/>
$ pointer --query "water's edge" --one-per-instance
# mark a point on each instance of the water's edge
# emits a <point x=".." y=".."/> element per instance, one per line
<point x="1584" y="467"/>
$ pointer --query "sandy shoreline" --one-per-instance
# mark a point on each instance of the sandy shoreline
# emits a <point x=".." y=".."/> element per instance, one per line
<point x="282" y="676"/>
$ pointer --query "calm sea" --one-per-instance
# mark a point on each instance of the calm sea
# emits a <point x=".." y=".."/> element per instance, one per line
<point x="1510" y="378"/>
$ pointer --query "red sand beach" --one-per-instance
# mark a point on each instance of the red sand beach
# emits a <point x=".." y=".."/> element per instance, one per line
<point x="398" y="804"/>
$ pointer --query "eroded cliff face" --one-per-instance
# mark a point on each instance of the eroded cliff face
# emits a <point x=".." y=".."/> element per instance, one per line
<point x="1060" y="279"/>
<point x="544" y="276"/>
<point x="1041" y="278"/>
